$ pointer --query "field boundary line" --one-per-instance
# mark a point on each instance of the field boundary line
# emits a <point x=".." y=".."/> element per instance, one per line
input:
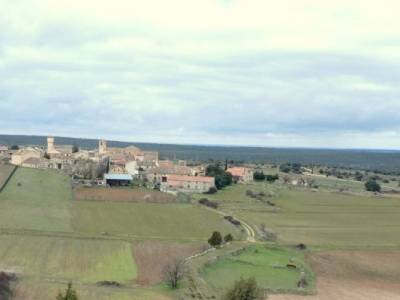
<point x="8" y="179"/>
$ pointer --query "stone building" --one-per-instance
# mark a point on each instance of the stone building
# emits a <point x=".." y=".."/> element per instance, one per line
<point x="22" y="155"/>
<point x="241" y="174"/>
<point x="187" y="184"/>
<point x="58" y="150"/>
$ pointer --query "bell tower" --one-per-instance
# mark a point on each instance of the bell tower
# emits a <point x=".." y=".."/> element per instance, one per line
<point x="50" y="144"/>
<point x="102" y="147"/>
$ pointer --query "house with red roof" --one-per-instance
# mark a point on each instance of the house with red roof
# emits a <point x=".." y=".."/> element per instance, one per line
<point x="241" y="174"/>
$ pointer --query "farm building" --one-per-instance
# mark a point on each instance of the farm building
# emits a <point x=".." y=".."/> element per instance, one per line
<point x="184" y="183"/>
<point x="155" y="175"/>
<point x="241" y="174"/>
<point x="118" y="179"/>
<point x="36" y="163"/>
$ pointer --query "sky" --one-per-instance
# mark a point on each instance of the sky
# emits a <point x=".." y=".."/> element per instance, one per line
<point x="301" y="73"/>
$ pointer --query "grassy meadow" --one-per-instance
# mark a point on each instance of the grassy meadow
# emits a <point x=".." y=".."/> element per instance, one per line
<point x="268" y="265"/>
<point x="323" y="218"/>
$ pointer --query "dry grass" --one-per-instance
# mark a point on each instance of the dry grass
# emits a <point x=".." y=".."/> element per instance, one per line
<point x="354" y="275"/>
<point x="152" y="257"/>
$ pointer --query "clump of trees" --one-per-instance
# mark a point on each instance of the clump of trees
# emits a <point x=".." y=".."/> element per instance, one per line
<point x="174" y="272"/>
<point x="222" y="178"/>
<point x="216" y="239"/>
<point x="245" y="289"/>
<point x="372" y="186"/>
<point x="70" y="294"/>
<point x="291" y="168"/>
<point x="259" y="176"/>
<point x="88" y="169"/>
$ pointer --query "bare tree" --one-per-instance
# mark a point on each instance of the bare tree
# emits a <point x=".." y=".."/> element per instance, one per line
<point x="174" y="272"/>
<point x="286" y="179"/>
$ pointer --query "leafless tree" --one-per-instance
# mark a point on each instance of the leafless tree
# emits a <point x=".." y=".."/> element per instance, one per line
<point x="286" y="179"/>
<point x="174" y="272"/>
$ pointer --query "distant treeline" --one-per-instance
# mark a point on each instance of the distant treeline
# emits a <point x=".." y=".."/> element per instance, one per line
<point x="386" y="161"/>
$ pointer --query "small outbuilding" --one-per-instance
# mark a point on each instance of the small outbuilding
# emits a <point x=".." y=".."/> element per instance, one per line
<point x="118" y="179"/>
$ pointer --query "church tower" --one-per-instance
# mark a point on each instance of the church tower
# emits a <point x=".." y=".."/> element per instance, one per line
<point x="102" y="147"/>
<point x="50" y="144"/>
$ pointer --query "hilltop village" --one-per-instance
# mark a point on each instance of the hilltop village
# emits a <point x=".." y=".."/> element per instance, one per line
<point x="112" y="166"/>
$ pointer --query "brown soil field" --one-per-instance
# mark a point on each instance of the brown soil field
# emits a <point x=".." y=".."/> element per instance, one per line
<point x="354" y="275"/>
<point x="122" y="195"/>
<point x="152" y="257"/>
<point x="5" y="172"/>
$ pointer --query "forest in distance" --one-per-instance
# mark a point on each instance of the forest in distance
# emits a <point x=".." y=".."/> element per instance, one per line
<point x="381" y="160"/>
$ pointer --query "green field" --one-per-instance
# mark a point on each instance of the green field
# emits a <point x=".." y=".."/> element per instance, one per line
<point x="266" y="264"/>
<point x="85" y="261"/>
<point x="322" y="218"/>
<point x="40" y="200"/>
<point x="180" y="222"/>
<point x="49" y="239"/>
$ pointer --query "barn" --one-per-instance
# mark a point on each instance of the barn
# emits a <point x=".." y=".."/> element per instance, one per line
<point x="118" y="179"/>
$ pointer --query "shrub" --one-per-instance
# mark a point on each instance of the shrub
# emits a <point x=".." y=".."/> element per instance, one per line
<point x="228" y="238"/>
<point x="372" y="186"/>
<point x="208" y="203"/>
<point x="232" y="220"/>
<point x="70" y="294"/>
<point x="216" y="239"/>
<point x="244" y="290"/>
<point x="5" y="289"/>
<point x="272" y="178"/>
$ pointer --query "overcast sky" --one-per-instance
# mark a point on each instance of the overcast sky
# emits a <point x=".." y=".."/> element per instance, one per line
<point x="301" y="73"/>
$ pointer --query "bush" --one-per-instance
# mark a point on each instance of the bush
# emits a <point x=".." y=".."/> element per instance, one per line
<point x="70" y="294"/>
<point x="232" y="220"/>
<point x="5" y="289"/>
<point x="372" y="186"/>
<point x="208" y="203"/>
<point x="244" y="290"/>
<point x="272" y="178"/>
<point x="216" y="239"/>
<point x="228" y="238"/>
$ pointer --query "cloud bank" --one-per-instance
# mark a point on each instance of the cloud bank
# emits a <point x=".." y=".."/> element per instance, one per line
<point x="295" y="73"/>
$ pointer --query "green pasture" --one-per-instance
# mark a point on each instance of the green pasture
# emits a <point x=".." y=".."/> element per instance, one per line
<point x="267" y="265"/>
<point x="148" y="221"/>
<point x="319" y="218"/>
<point x="80" y="260"/>
<point x="40" y="200"/>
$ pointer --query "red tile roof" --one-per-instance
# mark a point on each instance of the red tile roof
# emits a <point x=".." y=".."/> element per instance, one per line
<point x="237" y="171"/>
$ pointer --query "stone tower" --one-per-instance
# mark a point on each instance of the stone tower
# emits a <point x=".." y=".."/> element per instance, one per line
<point x="50" y="144"/>
<point x="102" y="147"/>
